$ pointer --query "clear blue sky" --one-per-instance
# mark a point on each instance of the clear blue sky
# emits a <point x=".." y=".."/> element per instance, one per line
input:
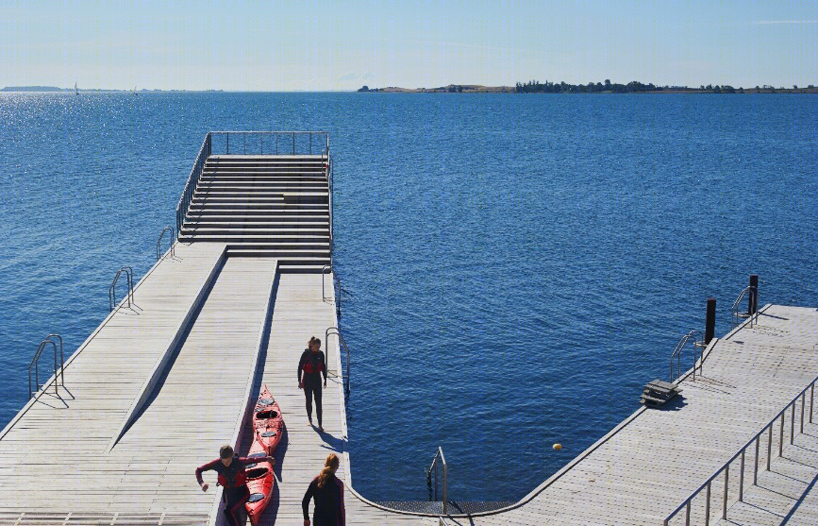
<point x="334" y="45"/>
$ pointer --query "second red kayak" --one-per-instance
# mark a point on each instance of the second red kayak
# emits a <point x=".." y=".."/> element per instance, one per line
<point x="267" y="421"/>
<point x="260" y="482"/>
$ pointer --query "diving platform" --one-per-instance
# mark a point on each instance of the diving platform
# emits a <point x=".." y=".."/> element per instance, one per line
<point x="172" y="373"/>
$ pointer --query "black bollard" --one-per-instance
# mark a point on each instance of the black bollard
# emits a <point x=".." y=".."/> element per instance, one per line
<point x="752" y="306"/>
<point x="710" y="322"/>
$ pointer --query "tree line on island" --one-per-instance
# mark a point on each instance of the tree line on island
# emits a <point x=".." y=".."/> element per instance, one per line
<point x="535" y="86"/>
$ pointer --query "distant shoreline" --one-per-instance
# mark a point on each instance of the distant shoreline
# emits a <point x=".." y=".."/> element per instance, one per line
<point x="562" y="88"/>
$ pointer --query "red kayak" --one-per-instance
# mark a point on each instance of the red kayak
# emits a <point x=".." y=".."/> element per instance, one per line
<point x="260" y="482"/>
<point x="267" y="421"/>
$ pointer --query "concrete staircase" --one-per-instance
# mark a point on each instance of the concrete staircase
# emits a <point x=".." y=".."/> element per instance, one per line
<point x="264" y="205"/>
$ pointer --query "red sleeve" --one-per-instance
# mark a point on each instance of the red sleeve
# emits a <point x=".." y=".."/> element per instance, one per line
<point x="204" y="467"/>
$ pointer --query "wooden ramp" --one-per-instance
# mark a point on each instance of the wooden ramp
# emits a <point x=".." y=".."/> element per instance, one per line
<point x="56" y="456"/>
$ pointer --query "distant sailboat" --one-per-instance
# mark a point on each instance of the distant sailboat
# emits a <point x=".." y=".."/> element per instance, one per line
<point x="76" y="91"/>
<point x="134" y="91"/>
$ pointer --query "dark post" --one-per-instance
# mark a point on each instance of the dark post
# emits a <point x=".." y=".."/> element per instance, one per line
<point x="752" y="308"/>
<point x="710" y="322"/>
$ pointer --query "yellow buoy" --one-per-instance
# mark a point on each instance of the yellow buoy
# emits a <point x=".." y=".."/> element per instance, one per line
<point x="557" y="447"/>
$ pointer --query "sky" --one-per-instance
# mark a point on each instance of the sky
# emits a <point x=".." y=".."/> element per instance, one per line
<point x="332" y="45"/>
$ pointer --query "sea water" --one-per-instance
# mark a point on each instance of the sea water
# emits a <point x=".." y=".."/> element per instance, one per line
<point x="514" y="267"/>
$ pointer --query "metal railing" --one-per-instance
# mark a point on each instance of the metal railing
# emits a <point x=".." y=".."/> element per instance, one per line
<point x="335" y="331"/>
<point x="677" y="353"/>
<point x="756" y="440"/>
<point x="752" y="307"/>
<point x="112" y="289"/>
<point x="172" y="246"/>
<point x="439" y="459"/>
<point x="192" y="180"/>
<point x="59" y="367"/>
<point x="281" y="142"/>
<point x="329" y="172"/>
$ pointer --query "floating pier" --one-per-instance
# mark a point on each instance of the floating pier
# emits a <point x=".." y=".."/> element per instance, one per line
<point x="113" y="437"/>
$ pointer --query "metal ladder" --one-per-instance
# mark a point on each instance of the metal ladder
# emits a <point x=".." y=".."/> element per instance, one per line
<point x="336" y="284"/>
<point x="112" y="289"/>
<point x="439" y="459"/>
<point x="59" y="367"/>
<point x="172" y="244"/>
<point x="335" y="331"/>
<point x="696" y="339"/>
<point x="752" y="307"/>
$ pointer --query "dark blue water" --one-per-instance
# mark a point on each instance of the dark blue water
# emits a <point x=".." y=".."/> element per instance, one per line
<point x="517" y="267"/>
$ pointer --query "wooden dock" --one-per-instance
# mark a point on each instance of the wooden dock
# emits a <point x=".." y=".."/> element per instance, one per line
<point x="160" y="385"/>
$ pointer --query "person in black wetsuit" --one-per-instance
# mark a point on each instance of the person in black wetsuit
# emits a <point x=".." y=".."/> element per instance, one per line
<point x="313" y="365"/>
<point x="230" y="468"/>
<point x="328" y="493"/>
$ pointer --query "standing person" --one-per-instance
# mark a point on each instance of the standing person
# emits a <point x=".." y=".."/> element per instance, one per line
<point x="328" y="493"/>
<point x="232" y="476"/>
<point x="312" y="364"/>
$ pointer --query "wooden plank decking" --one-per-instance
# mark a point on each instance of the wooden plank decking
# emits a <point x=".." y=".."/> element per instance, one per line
<point x="57" y="465"/>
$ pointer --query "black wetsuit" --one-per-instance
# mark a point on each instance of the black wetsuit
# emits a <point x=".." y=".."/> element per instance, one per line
<point x="329" y="503"/>
<point x="313" y="366"/>
<point x="234" y="480"/>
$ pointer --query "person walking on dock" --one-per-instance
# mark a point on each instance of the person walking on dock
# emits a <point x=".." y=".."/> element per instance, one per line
<point x="230" y="468"/>
<point x="328" y="493"/>
<point x="312" y="365"/>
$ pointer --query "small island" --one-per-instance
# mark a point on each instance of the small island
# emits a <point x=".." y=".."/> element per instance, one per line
<point x="599" y="87"/>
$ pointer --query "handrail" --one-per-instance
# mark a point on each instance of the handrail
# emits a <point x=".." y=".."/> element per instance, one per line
<point x="741" y="452"/>
<point x="172" y="246"/>
<point x="329" y="332"/>
<point x="277" y="134"/>
<point x="677" y="353"/>
<point x="329" y="173"/>
<point x="192" y="180"/>
<point x="752" y="299"/>
<point x="59" y="370"/>
<point x="442" y="459"/>
<point x="112" y="289"/>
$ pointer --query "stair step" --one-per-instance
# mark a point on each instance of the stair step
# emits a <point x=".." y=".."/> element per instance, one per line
<point x="263" y="225"/>
<point x="272" y="170"/>
<point x="661" y="385"/>
<point x="263" y="180"/>
<point x="267" y="212"/>
<point x="651" y="400"/>
<point x="246" y="205"/>
<point x="317" y="242"/>
<point x="291" y="223"/>
<point x="254" y="221"/>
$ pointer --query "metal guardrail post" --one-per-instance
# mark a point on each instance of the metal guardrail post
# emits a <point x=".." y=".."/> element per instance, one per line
<point x="707" y="507"/>
<point x="755" y="461"/>
<point x="741" y="479"/>
<point x="769" y="445"/>
<point x="781" y="436"/>
<point x="726" y="485"/>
